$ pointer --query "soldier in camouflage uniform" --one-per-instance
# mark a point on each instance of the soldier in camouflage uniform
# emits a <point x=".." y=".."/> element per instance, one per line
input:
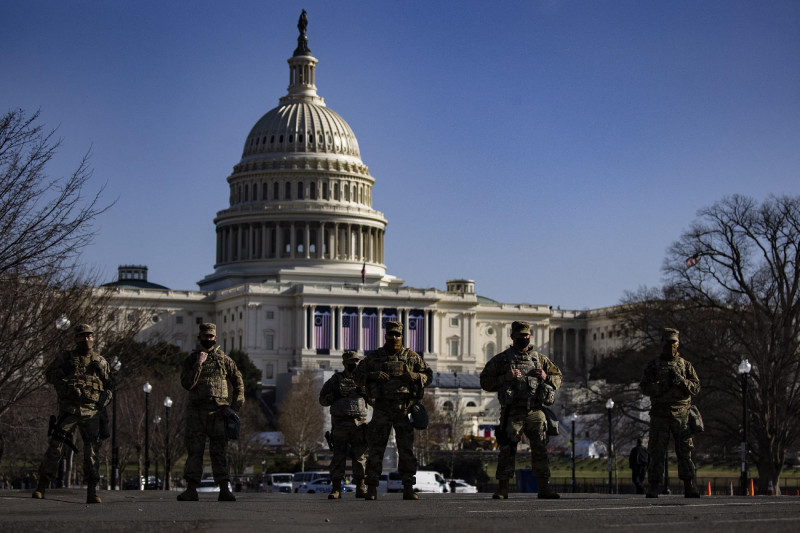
<point x="394" y="377"/>
<point x="82" y="381"/>
<point x="348" y="406"/>
<point x="216" y="391"/>
<point x="524" y="381"/>
<point x="670" y="381"/>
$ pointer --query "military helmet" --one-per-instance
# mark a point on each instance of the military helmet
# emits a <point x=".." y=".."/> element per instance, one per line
<point x="350" y="356"/>
<point x="418" y="416"/>
<point x="520" y="327"/>
<point x="394" y="326"/>
<point x="208" y="329"/>
<point x="82" y="329"/>
<point x="670" y="334"/>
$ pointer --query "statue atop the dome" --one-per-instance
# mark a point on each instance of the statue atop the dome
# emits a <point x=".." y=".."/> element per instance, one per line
<point x="302" y="39"/>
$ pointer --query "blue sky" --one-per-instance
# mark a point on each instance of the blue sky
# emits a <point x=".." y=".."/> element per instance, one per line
<point x="549" y="150"/>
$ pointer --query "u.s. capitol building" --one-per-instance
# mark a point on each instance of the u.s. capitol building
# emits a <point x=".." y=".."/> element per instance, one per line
<point x="299" y="273"/>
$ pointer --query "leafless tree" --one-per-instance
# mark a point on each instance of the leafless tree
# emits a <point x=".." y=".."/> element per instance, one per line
<point x="733" y="289"/>
<point x="301" y="418"/>
<point x="45" y="223"/>
<point x="243" y="452"/>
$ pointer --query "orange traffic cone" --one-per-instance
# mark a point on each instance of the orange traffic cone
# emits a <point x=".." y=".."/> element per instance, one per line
<point x="770" y="489"/>
<point x="708" y="489"/>
<point x="752" y="490"/>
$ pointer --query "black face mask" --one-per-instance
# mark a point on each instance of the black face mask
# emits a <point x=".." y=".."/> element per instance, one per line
<point x="84" y="346"/>
<point x="351" y="368"/>
<point x="520" y="343"/>
<point x="207" y="343"/>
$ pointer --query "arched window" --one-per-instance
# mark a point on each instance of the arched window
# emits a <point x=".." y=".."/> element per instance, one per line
<point x="276" y="191"/>
<point x="287" y="191"/>
<point x="312" y="190"/>
<point x="447" y="406"/>
<point x="324" y="190"/>
<point x="335" y="191"/>
<point x="300" y="192"/>
<point x="264" y="191"/>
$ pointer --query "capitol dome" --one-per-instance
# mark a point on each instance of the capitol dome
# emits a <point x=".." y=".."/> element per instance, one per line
<point x="300" y="197"/>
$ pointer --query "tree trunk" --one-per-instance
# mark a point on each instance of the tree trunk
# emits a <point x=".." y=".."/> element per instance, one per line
<point x="770" y="465"/>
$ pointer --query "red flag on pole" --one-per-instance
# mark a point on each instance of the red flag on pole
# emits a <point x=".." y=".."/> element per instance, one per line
<point x="692" y="261"/>
<point x="363" y="272"/>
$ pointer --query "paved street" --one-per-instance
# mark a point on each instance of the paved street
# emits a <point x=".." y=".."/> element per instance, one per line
<point x="65" y="510"/>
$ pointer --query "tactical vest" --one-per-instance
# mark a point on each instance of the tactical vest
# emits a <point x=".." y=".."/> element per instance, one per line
<point x="393" y="364"/>
<point x="82" y="383"/>
<point x="213" y="382"/>
<point x="674" y="395"/>
<point x="351" y="405"/>
<point x="529" y="390"/>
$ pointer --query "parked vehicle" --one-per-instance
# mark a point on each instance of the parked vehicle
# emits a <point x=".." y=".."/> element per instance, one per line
<point x="394" y="483"/>
<point x="281" y="482"/>
<point x="306" y="477"/>
<point x="208" y="485"/>
<point x="318" y="486"/>
<point x="430" y="481"/>
<point x="459" y="486"/>
<point x="152" y="484"/>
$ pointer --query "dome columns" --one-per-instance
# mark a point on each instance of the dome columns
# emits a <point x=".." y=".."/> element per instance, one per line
<point x="331" y="241"/>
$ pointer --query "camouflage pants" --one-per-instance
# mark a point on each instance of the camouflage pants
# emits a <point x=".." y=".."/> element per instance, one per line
<point x="349" y="440"/>
<point x="533" y="424"/>
<point x="202" y="425"/>
<point x="89" y="428"/>
<point x="661" y="427"/>
<point x="388" y="415"/>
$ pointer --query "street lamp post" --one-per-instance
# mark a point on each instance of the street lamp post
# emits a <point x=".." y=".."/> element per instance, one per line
<point x="147" y="388"/>
<point x="609" y="407"/>
<point x="156" y="421"/>
<point x="167" y="455"/>
<point x="116" y="364"/>
<point x="574" y="417"/>
<point x="744" y="372"/>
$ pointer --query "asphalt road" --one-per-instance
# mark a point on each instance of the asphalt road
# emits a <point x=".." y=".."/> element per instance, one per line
<point x="65" y="510"/>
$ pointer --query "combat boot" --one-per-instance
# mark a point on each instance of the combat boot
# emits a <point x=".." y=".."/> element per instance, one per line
<point x="690" y="489"/>
<point x="372" y="492"/>
<point x="653" y="490"/>
<point x="408" y="492"/>
<point x="546" y="490"/>
<point x="502" y="490"/>
<point x="91" y="494"/>
<point x="361" y="489"/>
<point x="225" y="494"/>
<point x="336" y="490"/>
<point x="190" y="494"/>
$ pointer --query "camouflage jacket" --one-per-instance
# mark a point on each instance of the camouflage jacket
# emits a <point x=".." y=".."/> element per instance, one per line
<point x="346" y="398"/>
<point x="79" y="380"/>
<point x="215" y="383"/>
<point x="395" y="364"/>
<point x="670" y="385"/>
<point x="493" y="376"/>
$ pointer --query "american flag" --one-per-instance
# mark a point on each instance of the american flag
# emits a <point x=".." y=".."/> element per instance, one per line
<point x="389" y="315"/>
<point x="322" y="330"/>
<point x="416" y="331"/>
<point x="350" y="329"/>
<point x="369" y="327"/>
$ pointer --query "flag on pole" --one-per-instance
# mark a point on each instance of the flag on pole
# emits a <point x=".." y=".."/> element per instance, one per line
<point x="363" y="272"/>
<point x="692" y="261"/>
